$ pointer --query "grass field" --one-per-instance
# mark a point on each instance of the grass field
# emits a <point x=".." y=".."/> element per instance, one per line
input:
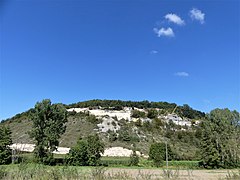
<point x="40" y="172"/>
<point x="113" y="168"/>
<point x="124" y="162"/>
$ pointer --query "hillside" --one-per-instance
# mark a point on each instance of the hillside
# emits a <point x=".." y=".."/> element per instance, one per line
<point x="123" y="123"/>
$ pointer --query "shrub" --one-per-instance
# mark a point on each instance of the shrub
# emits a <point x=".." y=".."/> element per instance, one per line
<point x="152" y="113"/>
<point x="138" y="114"/>
<point x="86" y="152"/>
<point x="112" y="136"/>
<point x="134" y="159"/>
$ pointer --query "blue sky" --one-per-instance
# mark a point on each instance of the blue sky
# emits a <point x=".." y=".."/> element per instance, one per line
<point x="186" y="52"/>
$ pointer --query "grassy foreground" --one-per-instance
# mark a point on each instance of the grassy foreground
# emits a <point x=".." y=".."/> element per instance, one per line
<point x="28" y="171"/>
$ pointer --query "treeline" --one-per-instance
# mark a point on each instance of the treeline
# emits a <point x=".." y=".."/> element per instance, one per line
<point x="120" y="104"/>
<point x="185" y="110"/>
<point x="19" y="116"/>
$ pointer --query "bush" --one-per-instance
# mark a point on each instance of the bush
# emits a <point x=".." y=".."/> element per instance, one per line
<point x="78" y="155"/>
<point x="124" y="135"/>
<point x="86" y="152"/>
<point x="138" y="114"/>
<point x="134" y="159"/>
<point x="112" y="136"/>
<point x="92" y="119"/>
<point x="152" y="113"/>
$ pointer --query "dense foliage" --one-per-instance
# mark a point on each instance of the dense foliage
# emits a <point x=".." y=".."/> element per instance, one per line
<point x="48" y="125"/>
<point x="220" y="144"/>
<point x="5" y="141"/>
<point x="87" y="152"/>
<point x="134" y="158"/>
<point x="157" y="153"/>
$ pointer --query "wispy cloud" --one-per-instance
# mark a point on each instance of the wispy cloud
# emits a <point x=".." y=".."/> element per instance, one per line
<point x="206" y="101"/>
<point x="197" y="14"/>
<point x="181" y="74"/>
<point x="174" y="18"/>
<point x="164" y="32"/>
<point x="153" y="52"/>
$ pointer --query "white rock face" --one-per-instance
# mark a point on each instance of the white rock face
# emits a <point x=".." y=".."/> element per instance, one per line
<point x="177" y="120"/>
<point x="126" y="114"/>
<point x="113" y="151"/>
<point x="122" y="114"/>
<point x="108" y="124"/>
<point x="62" y="150"/>
<point x="30" y="148"/>
<point x="119" y="152"/>
<point x="22" y="147"/>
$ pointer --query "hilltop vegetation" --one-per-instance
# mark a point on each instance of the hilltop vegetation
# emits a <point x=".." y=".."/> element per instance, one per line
<point x="185" y="110"/>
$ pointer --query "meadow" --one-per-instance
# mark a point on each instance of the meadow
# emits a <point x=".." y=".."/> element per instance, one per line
<point x="116" y="168"/>
<point x="26" y="171"/>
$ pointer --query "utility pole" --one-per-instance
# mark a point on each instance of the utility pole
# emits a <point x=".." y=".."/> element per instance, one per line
<point x="166" y="156"/>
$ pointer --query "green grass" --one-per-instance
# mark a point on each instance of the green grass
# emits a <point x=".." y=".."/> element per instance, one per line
<point x="115" y="161"/>
<point x="42" y="172"/>
<point x="122" y="162"/>
<point x="144" y="163"/>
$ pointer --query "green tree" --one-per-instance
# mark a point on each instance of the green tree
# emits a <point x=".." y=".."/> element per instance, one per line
<point x="78" y="155"/>
<point x="95" y="148"/>
<point x="157" y="153"/>
<point x="137" y="114"/>
<point x="152" y="113"/>
<point x="48" y="125"/>
<point x="220" y="143"/>
<point x="124" y="134"/>
<point x="5" y="141"/>
<point x="87" y="152"/>
<point x="112" y="136"/>
<point x="134" y="158"/>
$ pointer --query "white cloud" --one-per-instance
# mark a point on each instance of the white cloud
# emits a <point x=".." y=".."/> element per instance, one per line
<point x="174" y="18"/>
<point x="164" y="32"/>
<point x="181" y="74"/>
<point x="197" y="14"/>
<point x="153" y="52"/>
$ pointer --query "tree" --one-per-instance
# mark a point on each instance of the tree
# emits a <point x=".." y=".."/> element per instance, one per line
<point x="157" y="153"/>
<point x="5" y="141"/>
<point x="87" y="152"/>
<point x="95" y="148"/>
<point x="112" y="136"/>
<point x="220" y="143"/>
<point x="78" y="155"/>
<point x="152" y="113"/>
<point x="137" y="114"/>
<point x="48" y="125"/>
<point x="134" y="158"/>
<point x="124" y="135"/>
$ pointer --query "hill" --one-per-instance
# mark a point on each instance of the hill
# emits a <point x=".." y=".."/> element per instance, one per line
<point x="124" y="123"/>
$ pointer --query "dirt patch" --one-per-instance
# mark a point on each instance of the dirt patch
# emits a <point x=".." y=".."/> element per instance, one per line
<point x="182" y="174"/>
